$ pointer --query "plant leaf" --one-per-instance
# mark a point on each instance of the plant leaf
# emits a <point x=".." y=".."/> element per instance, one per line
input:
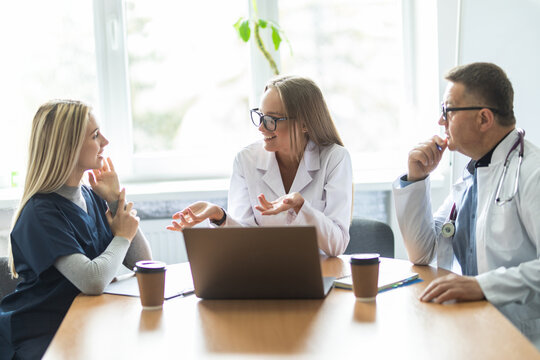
<point x="237" y="24"/>
<point x="276" y="38"/>
<point x="263" y="23"/>
<point x="244" y="31"/>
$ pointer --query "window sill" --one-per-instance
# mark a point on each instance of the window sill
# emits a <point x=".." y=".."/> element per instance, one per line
<point x="200" y="189"/>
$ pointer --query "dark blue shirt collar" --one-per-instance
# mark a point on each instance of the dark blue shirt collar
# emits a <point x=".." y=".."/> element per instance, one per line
<point x="485" y="160"/>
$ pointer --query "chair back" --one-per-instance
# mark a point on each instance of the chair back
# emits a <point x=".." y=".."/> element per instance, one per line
<point x="370" y="236"/>
<point x="7" y="284"/>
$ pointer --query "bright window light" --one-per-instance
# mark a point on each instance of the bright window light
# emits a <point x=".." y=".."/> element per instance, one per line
<point x="48" y="53"/>
<point x="189" y="82"/>
<point x="353" y="50"/>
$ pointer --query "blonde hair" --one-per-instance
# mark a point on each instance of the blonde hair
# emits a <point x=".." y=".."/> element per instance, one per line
<point x="306" y="113"/>
<point x="57" y="136"/>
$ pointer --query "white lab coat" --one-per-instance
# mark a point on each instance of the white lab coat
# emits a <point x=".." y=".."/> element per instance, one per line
<point x="324" y="178"/>
<point x="507" y="237"/>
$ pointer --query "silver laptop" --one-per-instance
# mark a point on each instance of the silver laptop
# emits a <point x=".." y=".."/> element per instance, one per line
<point x="256" y="263"/>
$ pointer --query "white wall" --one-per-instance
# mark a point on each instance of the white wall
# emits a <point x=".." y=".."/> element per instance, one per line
<point x="507" y="33"/>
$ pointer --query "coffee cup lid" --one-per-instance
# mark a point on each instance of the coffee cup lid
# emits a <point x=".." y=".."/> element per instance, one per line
<point x="365" y="259"/>
<point x="149" y="266"/>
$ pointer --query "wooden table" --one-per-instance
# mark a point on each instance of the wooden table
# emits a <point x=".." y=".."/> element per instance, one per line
<point x="397" y="326"/>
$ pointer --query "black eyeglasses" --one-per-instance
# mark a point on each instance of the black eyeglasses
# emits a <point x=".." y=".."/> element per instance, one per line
<point x="445" y="110"/>
<point x="270" y="122"/>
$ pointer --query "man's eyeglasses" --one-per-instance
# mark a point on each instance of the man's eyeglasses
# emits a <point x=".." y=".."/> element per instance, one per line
<point x="445" y="110"/>
<point x="270" y="122"/>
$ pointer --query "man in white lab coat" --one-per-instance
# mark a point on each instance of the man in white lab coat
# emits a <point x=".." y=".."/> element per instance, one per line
<point x="489" y="227"/>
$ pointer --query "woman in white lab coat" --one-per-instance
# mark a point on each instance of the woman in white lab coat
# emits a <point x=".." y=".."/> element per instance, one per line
<point x="298" y="174"/>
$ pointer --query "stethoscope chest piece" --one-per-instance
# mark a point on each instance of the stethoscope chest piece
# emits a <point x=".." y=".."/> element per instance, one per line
<point x="448" y="229"/>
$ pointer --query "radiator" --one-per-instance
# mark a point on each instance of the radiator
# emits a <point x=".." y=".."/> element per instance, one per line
<point x="167" y="246"/>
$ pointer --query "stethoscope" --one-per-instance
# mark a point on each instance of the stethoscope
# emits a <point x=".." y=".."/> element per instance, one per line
<point x="449" y="228"/>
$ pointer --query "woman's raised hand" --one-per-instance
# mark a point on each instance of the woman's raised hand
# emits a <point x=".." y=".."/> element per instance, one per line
<point x="105" y="182"/>
<point x="284" y="203"/>
<point x="125" y="222"/>
<point x="195" y="214"/>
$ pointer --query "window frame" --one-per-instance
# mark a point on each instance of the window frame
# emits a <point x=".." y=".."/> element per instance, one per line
<point x="115" y="96"/>
<point x="113" y="81"/>
<point x="418" y="103"/>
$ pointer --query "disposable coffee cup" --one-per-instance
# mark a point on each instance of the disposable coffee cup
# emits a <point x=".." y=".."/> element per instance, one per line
<point x="151" y="279"/>
<point x="365" y="276"/>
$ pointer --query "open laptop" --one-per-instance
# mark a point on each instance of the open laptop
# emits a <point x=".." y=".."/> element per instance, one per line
<point x="256" y="263"/>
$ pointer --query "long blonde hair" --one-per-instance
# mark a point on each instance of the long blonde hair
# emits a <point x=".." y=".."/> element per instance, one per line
<point x="57" y="136"/>
<point x="306" y="113"/>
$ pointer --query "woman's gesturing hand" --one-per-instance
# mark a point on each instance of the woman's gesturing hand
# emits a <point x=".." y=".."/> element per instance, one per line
<point x="195" y="214"/>
<point x="290" y="201"/>
<point x="105" y="182"/>
<point x="125" y="222"/>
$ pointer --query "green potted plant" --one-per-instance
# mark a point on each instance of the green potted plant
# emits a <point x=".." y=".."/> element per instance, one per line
<point x="244" y="25"/>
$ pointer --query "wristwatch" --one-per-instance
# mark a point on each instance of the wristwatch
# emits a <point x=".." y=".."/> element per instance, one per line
<point x="220" y="221"/>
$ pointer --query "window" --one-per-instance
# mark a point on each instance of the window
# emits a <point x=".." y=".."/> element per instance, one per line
<point x="175" y="82"/>
<point x="48" y="53"/>
<point x="189" y="83"/>
<point x="354" y="50"/>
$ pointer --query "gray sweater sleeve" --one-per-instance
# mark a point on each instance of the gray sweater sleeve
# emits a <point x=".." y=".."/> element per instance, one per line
<point x="92" y="276"/>
<point x="139" y="248"/>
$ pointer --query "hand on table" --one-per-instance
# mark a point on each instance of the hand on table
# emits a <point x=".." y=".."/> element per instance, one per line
<point x="453" y="287"/>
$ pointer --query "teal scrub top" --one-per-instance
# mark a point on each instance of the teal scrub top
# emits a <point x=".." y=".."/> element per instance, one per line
<point x="50" y="226"/>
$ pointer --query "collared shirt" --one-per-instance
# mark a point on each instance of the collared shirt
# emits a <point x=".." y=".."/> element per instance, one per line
<point x="485" y="160"/>
<point x="464" y="239"/>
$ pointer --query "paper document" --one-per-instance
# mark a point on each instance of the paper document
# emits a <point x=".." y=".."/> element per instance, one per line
<point x="178" y="281"/>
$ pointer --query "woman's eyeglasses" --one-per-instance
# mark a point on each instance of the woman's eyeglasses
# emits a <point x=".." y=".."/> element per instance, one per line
<point x="270" y="122"/>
